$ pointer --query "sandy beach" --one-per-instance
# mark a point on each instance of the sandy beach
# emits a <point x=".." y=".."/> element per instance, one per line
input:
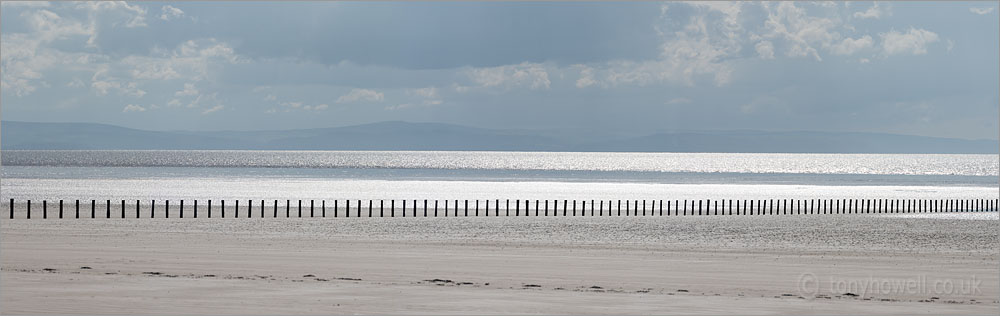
<point x="823" y="264"/>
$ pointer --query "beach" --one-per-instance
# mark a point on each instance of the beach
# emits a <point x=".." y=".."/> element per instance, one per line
<point x="285" y="259"/>
<point x="802" y="264"/>
<point x="499" y="158"/>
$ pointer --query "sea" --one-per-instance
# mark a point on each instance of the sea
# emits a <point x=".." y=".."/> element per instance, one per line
<point x="489" y="175"/>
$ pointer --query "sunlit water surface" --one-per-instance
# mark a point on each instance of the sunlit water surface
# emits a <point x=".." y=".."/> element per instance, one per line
<point x="490" y="175"/>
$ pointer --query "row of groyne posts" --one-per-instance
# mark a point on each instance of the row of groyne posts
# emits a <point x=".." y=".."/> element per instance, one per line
<point x="430" y="208"/>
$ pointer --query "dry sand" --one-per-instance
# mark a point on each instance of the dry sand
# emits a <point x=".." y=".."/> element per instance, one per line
<point x="556" y="265"/>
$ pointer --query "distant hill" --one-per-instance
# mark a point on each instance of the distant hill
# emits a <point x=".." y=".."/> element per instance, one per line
<point x="434" y="136"/>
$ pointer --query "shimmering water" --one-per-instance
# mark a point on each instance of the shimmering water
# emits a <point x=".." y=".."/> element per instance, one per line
<point x="486" y="175"/>
<point x="864" y="164"/>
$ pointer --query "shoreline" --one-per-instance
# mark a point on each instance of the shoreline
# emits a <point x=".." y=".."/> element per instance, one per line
<point x="263" y="266"/>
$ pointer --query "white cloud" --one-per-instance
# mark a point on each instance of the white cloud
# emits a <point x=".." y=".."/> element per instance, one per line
<point x="174" y="103"/>
<point x="914" y="41"/>
<point x="428" y="97"/>
<point x="318" y="107"/>
<point x="764" y="103"/>
<point x="981" y="11"/>
<point x="801" y="32"/>
<point x="26" y="4"/>
<point x="363" y="95"/>
<point x="826" y="4"/>
<point x="399" y="106"/>
<point x="76" y="83"/>
<point x="170" y="13"/>
<point x="207" y="49"/>
<point x="864" y="60"/>
<point x="213" y="109"/>
<point x="425" y="103"/>
<point x="289" y="106"/>
<point x="712" y="38"/>
<point x="136" y="14"/>
<point x="294" y="105"/>
<point x="429" y="92"/>
<point x="872" y="13"/>
<point x="586" y="77"/>
<point x="133" y="108"/>
<point x="205" y="99"/>
<point x="192" y="60"/>
<point x="704" y="47"/>
<point x="850" y="46"/>
<point x="49" y="26"/>
<point x="25" y="56"/>
<point x="102" y="83"/>
<point x="679" y="101"/>
<point x="530" y="75"/>
<point x="51" y="43"/>
<point x="765" y="49"/>
<point x="189" y="90"/>
<point x="152" y="70"/>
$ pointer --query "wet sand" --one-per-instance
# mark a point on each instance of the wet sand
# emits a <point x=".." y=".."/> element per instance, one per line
<point x="556" y="265"/>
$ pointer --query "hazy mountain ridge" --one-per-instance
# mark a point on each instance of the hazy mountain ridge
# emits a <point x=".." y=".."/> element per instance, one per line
<point x="436" y="136"/>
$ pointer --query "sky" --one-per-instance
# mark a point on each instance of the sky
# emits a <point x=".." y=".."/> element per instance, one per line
<point x="916" y="68"/>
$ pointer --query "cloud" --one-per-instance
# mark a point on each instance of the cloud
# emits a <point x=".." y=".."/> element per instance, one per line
<point x="765" y="49"/>
<point x="102" y="83"/>
<point x="914" y="41"/>
<point x="76" y="83"/>
<point x="849" y="46"/>
<point x="318" y="107"/>
<point x="363" y="95"/>
<point x="981" y="11"/>
<point x="586" y="77"/>
<point x="294" y="105"/>
<point x="25" y="56"/>
<point x="49" y="26"/>
<point x="27" y="4"/>
<point x="707" y="43"/>
<point x="872" y="13"/>
<point x="193" y="60"/>
<point x="188" y="90"/>
<point x="429" y="97"/>
<point x="51" y="43"/>
<point x="136" y="14"/>
<point x="300" y="106"/>
<point x="152" y="70"/>
<point x="526" y="74"/>
<point x="133" y="108"/>
<point x="679" y="101"/>
<point x="170" y="13"/>
<point x="428" y="92"/>
<point x="399" y="106"/>
<point x="213" y="109"/>
<point x="204" y="99"/>
<point x="801" y="32"/>
<point x="702" y="48"/>
<point x="826" y="4"/>
<point x="764" y="103"/>
<point x="174" y="103"/>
